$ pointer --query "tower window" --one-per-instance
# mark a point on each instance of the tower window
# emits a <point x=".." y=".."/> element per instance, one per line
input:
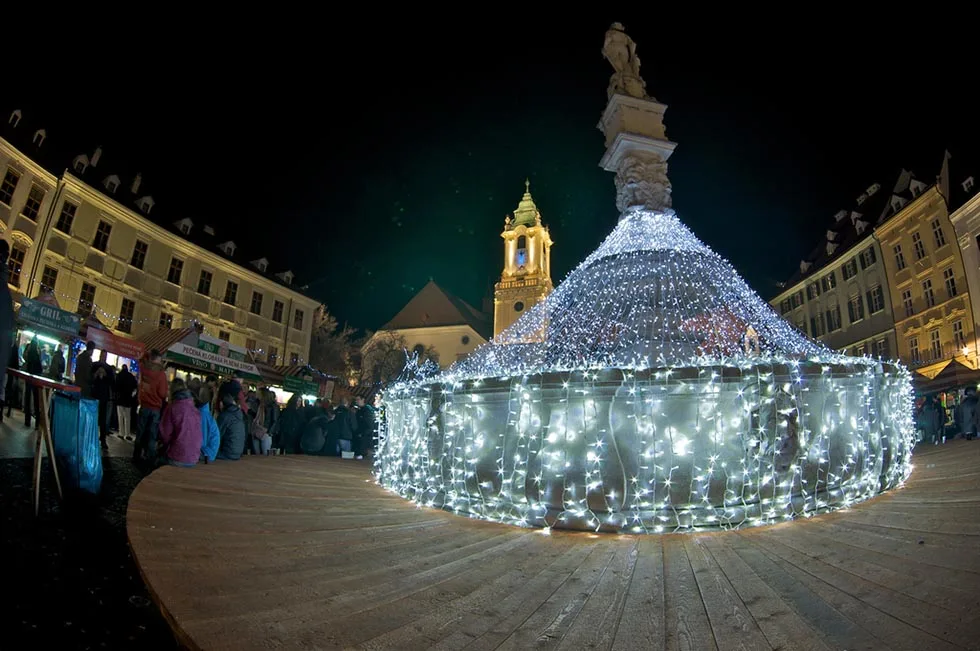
<point x="519" y="306"/>
<point x="521" y="258"/>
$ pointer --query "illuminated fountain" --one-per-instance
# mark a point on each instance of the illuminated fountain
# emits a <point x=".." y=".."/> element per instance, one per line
<point x="653" y="390"/>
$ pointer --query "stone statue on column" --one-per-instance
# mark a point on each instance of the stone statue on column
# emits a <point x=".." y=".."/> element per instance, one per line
<point x="620" y="51"/>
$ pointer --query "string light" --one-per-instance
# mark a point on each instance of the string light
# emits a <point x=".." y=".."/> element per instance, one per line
<point x="652" y="391"/>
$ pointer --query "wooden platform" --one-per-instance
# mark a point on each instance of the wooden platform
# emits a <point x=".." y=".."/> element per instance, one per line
<point x="307" y="553"/>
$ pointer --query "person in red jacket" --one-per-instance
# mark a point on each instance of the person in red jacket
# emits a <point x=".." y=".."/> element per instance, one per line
<point x="152" y="395"/>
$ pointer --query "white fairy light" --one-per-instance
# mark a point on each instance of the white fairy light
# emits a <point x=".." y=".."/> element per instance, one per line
<point x="620" y="402"/>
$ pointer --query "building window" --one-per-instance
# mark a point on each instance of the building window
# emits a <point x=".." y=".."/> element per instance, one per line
<point x="256" y="307"/>
<point x="224" y="335"/>
<point x="914" y="349"/>
<point x="829" y="281"/>
<point x="139" y="254"/>
<point x="8" y="186"/>
<point x="166" y="320"/>
<point x="801" y="325"/>
<point x="251" y="346"/>
<point x="849" y="270"/>
<point x="797" y="299"/>
<point x="204" y="283"/>
<point x="817" y="325"/>
<point x="176" y="268"/>
<point x="231" y="292"/>
<point x="876" y="300"/>
<point x="907" y="302"/>
<point x="812" y="290"/>
<point x="937" y="232"/>
<point x="126" y="316"/>
<point x="881" y="349"/>
<point x="855" y="309"/>
<point x="899" y="257"/>
<point x="920" y="248"/>
<point x="101" y="241"/>
<point x="273" y="355"/>
<point x="15" y="263"/>
<point x="86" y="299"/>
<point x="958" y="339"/>
<point x="950" y="282"/>
<point x="935" y="344"/>
<point x="49" y="278"/>
<point x="277" y="308"/>
<point x="33" y="205"/>
<point x="868" y="257"/>
<point x="833" y="319"/>
<point x="67" y="217"/>
<point x="293" y="359"/>
<point x="785" y="306"/>
<point x="298" y="320"/>
<point x="927" y="292"/>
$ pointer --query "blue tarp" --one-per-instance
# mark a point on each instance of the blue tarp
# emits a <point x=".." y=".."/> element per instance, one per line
<point x="75" y="429"/>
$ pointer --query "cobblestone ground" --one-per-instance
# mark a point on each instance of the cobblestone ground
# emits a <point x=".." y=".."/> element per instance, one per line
<point x="70" y="581"/>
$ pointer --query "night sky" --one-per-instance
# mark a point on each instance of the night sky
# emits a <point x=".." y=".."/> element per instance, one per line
<point x="370" y="158"/>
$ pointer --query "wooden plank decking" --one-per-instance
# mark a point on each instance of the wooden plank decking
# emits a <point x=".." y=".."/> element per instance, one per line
<point x="308" y="553"/>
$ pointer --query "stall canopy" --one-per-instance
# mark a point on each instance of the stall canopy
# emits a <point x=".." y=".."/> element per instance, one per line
<point x="95" y="331"/>
<point x="190" y="348"/>
<point x="956" y="375"/>
<point x="45" y="313"/>
<point x="299" y="378"/>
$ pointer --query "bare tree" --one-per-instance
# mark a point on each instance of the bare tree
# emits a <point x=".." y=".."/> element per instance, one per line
<point x="330" y="345"/>
<point x="383" y="358"/>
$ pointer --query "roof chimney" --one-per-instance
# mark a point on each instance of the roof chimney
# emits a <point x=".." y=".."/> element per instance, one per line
<point x="96" y="155"/>
<point x="135" y="187"/>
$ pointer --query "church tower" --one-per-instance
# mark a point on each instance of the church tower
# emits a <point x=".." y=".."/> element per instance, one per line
<point x="526" y="278"/>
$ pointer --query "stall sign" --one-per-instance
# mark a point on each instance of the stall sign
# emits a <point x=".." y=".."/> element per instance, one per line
<point x="299" y="385"/>
<point x="47" y="316"/>
<point x="121" y="346"/>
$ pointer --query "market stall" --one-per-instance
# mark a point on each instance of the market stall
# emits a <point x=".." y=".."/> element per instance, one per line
<point x="200" y="355"/>
<point x="42" y="317"/>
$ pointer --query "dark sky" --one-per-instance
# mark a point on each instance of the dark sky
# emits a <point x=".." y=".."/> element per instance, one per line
<point x="370" y="158"/>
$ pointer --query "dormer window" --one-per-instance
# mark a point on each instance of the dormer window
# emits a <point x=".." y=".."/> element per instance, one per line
<point x="146" y="205"/>
<point x="111" y="183"/>
<point x="916" y="187"/>
<point x="840" y="215"/>
<point x="228" y="248"/>
<point x="184" y="225"/>
<point x="261" y="264"/>
<point x="872" y="189"/>
<point x="897" y="203"/>
<point x="208" y="230"/>
<point x="286" y="277"/>
<point x="39" y="137"/>
<point x="860" y="225"/>
<point x="15" y="118"/>
<point x="80" y="164"/>
<point x="968" y="184"/>
<point x="861" y="199"/>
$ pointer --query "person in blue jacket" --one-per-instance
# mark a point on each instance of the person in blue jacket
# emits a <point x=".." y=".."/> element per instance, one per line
<point x="210" y="438"/>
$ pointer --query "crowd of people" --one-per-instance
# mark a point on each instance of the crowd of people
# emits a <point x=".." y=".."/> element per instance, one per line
<point x="183" y="423"/>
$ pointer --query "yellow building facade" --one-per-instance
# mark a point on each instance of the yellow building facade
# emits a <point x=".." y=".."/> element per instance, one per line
<point x="929" y="293"/>
<point x="526" y="277"/>
<point x="98" y="255"/>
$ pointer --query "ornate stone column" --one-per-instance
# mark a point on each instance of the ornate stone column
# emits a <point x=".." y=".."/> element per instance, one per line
<point x="637" y="147"/>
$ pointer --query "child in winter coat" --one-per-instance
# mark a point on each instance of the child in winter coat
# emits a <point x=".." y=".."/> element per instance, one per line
<point x="209" y="428"/>
<point x="180" y="427"/>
